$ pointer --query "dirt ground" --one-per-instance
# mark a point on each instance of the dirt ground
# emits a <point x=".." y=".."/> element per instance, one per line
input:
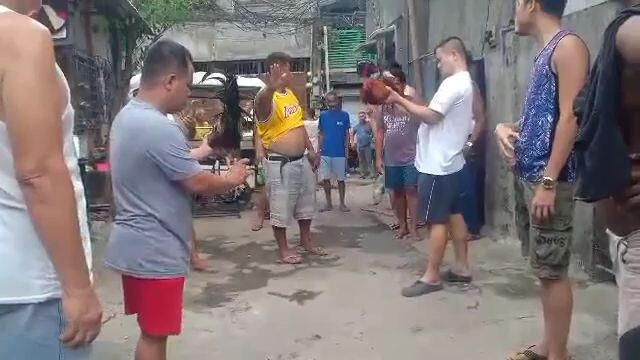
<point x="348" y="305"/>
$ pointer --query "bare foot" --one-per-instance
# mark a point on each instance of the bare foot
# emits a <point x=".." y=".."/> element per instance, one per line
<point x="313" y="250"/>
<point x="290" y="258"/>
<point x="258" y="224"/>
<point x="401" y="233"/>
<point x="344" y="209"/>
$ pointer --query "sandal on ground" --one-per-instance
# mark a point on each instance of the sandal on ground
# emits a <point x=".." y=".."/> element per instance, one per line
<point x="420" y="288"/>
<point x="394" y="226"/>
<point x="401" y="234"/>
<point x="316" y="250"/>
<point x="257" y="227"/>
<point x="293" y="259"/>
<point x="453" y="278"/>
<point x="527" y="354"/>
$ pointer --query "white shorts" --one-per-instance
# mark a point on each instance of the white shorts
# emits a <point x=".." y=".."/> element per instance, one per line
<point x="291" y="190"/>
<point x="333" y="168"/>
<point x="627" y="264"/>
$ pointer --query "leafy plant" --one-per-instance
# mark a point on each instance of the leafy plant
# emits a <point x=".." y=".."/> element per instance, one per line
<point x="163" y="14"/>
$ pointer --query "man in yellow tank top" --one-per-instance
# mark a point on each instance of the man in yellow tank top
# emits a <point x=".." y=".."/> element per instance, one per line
<point x="281" y="146"/>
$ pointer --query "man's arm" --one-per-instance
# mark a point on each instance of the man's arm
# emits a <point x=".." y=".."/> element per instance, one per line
<point x="352" y="136"/>
<point x="264" y="103"/>
<point x="378" y="130"/>
<point x="628" y="41"/>
<point x="258" y="144"/>
<point x="571" y="60"/>
<point x="320" y="134"/>
<point x="479" y="115"/>
<point x="206" y="182"/>
<point x="628" y="44"/>
<point x="38" y="159"/>
<point x="166" y="147"/>
<point x="347" y="135"/>
<point x="203" y="152"/>
<point x="432" y="114"/>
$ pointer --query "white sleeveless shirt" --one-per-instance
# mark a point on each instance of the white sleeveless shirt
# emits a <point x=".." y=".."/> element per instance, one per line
<point x="26" y="273"/>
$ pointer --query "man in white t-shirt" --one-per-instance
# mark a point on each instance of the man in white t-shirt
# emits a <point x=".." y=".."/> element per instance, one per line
<point x="440" y="160"/>
<point x="48" y="306"/>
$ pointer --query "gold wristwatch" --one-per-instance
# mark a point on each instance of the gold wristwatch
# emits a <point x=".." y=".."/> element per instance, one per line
<point x="548" y="183"/>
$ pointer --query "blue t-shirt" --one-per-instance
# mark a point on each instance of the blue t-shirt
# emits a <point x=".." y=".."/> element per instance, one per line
<point x="151" y="234"/>
<point x="334" y="128"/>
<point x="364" y="135"/>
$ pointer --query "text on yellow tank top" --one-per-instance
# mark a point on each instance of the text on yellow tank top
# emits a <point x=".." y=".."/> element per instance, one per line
<point x="286" y="116"/>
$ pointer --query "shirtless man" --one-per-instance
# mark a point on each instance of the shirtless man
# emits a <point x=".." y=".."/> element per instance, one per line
<point x="605" y="137"/>
<point x="45" y="281"/>
<point x="291" y="182"/>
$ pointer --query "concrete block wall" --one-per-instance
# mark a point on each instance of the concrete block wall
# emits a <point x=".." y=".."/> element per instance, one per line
<point x="507" y="66"/>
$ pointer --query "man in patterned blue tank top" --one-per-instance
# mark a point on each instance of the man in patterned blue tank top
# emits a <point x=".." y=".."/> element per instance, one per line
<point x="540" y="150"/>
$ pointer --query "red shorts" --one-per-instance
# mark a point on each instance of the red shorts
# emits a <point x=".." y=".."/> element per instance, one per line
<point x="157" y="302"/>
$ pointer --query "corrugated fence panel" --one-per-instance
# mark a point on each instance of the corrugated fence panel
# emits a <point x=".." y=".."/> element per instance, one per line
<point x="342" y="48"/>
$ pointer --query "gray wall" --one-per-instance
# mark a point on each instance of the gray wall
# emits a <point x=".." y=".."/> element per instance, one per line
<point x="507" y="67"/>
<point x="227" y="42"/>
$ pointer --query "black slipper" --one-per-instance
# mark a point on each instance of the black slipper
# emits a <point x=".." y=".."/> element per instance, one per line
<point x="454" y="278"/>
<point x="420" y="288"/>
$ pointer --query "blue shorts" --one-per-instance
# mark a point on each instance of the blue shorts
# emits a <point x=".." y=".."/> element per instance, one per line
<point x="400" y="177"/>
<point x="333" y="168"/>
<point x="440" y="196"/>
<point x="32" y="331"/>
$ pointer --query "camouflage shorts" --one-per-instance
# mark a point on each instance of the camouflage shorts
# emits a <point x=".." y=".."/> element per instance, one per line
<point x="549" y="243"/>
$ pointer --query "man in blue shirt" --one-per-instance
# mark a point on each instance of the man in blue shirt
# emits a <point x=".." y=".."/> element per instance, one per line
<point x="364" y="135"/>
<point x="333" y="142"/>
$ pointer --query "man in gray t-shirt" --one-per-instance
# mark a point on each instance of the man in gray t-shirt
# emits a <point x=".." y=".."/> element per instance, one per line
<point x="153" y="177"/>
<point x="152" y="230"/>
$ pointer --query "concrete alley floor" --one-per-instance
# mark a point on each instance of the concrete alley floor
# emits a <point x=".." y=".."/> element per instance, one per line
<point x="348" y="306"/>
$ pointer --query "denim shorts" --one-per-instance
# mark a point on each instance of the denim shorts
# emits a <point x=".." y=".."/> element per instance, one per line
<point x="400" y="177"/>
<point x="32" y="331"/>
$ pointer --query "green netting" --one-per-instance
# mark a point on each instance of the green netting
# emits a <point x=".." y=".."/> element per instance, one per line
<point x="342" y="48"/>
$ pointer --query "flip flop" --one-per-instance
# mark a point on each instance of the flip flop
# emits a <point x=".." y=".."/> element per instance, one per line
<point x="394" y="226"/>
<point x="256" y="228"/>
<point x="293" y="259"/>
<point x="527" y="354"/>
<point x="398" y="236"/>
<point x="317" y="251"/>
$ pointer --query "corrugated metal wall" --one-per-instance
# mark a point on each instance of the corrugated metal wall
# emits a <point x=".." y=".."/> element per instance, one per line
<point x="342" y="48"/>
